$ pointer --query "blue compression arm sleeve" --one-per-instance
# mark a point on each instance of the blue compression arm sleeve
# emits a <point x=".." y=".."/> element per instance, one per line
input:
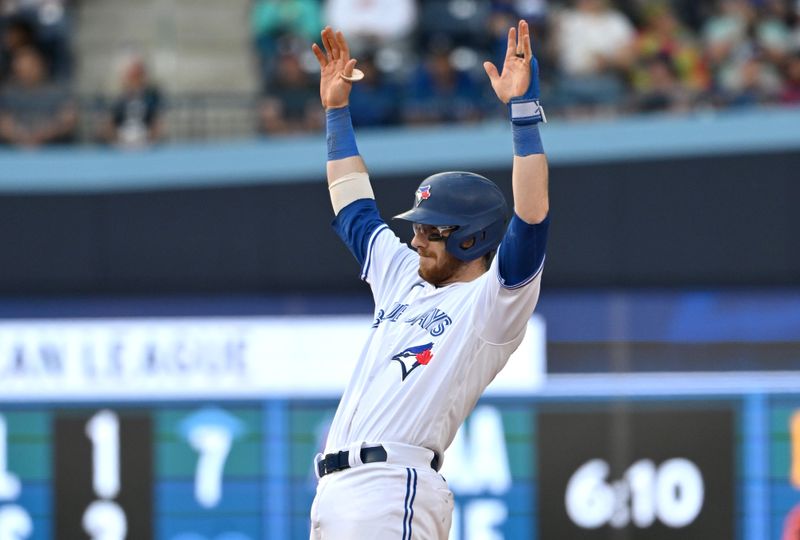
<point x="521" y="253"/>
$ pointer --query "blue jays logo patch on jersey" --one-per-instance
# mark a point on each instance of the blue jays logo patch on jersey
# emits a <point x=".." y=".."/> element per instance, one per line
<point x="423" y="194"/>
<point x="413" y="357"/>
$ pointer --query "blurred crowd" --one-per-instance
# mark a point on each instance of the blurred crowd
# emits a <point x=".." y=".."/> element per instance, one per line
<point x="423" y="62"/>
<point x="37" y="106"/>
<point x="423" y="59"/>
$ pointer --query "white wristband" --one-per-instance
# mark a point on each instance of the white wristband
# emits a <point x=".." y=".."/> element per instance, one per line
<point x="526" y="111"/>
<point x="349" y="188"/>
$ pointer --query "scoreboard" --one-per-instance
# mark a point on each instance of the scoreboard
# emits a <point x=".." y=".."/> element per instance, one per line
<point x="113" y="430"/>
<point x="521" y="468"/>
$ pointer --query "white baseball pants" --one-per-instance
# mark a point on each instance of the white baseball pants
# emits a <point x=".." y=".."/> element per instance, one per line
<point x="401" y="499"/>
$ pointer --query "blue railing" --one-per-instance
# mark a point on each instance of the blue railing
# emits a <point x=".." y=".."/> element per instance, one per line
<point x="394" y="151"/>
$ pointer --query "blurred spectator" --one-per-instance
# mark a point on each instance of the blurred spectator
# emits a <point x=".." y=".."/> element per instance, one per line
<point x="662" y="91"/>
<point x="791" y="90"/>
<point x="275" y="24"/>
<point x="49" y="25"/>
<point x="533" y="11"/>
<point x="291" y="104"/>
<point x="33" y="111"/>
<point x="374" y="101"/>
<point x="135" y="118"/>
<point x="372" y="24"/>
<point x="665" y="50"/>
<point x="594" y="44"/>
<point x="664" y="35"/>
<point x="53" y="37"/>
<point x="772" y="32"/>
<point x="461" y="22"/>
<point x="691" y="13"/>
<point x="725" y="34"/>
<point x="437" y="92"/>
<point x="754" y="82"/>
<point x="17" y="34"/>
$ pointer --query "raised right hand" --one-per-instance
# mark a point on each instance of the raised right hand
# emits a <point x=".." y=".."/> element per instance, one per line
<point x="333" y="90"/>
<point x="516" y="76"/>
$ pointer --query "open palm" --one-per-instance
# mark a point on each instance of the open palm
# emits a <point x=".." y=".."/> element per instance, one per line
<point x="516" y="75"/>
<point x="334" y="91"/>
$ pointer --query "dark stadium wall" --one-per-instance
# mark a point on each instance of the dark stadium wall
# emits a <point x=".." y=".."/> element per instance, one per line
<point x="700" y="222"/>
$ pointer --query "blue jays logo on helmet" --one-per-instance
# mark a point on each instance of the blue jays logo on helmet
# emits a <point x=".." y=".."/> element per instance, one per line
<point x="423" y="193"/>
<point x="413" y="357"/>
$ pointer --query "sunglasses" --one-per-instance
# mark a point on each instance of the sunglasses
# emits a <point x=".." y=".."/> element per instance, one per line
<point x="434" y="233"/>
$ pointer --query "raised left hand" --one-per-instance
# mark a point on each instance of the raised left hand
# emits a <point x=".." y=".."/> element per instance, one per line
<point x="334" y="91"/>
<point x="516" y="76"/>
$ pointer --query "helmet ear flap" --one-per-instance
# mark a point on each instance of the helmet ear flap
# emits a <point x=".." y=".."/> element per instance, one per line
<point x="468" y="201"/>
<point x="479" y="240"/>
<point x="467" y="243"/>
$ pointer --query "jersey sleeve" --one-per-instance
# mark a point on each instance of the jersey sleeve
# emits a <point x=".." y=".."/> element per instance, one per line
<point x="509" y="291"/>
<point x="385" y="260"/>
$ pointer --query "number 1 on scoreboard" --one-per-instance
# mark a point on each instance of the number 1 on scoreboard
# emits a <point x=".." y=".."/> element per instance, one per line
<point x="103" y="431"/>
<point x="104" y="519"/>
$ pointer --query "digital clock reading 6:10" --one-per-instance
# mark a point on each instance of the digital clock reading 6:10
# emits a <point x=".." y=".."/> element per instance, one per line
<point x="671" y="493"/>
<point x="654" y="471"/>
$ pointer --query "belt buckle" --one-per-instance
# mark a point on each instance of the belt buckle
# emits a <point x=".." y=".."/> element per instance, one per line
<point x="332" y="462"/>
<point x="328" y="463"/>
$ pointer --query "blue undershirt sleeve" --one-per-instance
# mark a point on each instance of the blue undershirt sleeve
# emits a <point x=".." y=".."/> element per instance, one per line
<point x="355" y="224"/>
<point x="521" y="253"/>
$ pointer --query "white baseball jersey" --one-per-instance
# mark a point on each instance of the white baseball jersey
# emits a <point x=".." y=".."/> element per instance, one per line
<point x="432" y="350"/>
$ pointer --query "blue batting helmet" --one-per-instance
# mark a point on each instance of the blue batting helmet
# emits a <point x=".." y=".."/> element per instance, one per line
<point x="468" y="201"/>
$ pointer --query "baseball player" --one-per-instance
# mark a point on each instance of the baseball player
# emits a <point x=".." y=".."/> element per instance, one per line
<point x="448" y="313"/>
